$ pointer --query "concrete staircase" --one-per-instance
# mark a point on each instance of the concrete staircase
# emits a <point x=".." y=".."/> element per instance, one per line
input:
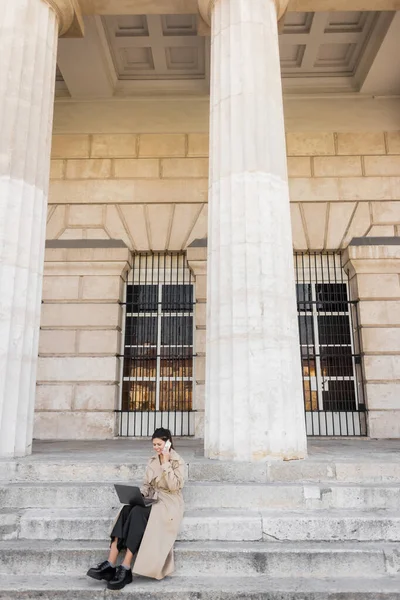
<point x="315" y="530"/>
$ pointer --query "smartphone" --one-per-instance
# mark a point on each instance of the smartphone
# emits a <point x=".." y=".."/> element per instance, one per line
<point x="167" y="447"/>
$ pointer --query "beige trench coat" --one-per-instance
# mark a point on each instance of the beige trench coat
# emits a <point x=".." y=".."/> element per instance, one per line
<point x="163" y="482"/>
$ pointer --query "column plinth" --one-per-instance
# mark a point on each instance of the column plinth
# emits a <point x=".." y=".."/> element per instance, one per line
<point x="28" y="33"/>
<point x="254" y="398"/>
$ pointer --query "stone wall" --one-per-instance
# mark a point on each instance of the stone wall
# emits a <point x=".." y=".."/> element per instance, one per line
<point x="197" y="261"/>
<point x="343" y="185"/>
<point x="374" y="269"/>
<point x="137" y="171"/>
<point x="150" y="190"/>
<point x="80" y="339"/>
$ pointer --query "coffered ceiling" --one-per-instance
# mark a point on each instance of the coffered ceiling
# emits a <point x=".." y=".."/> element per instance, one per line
<point x="125" y="55"/>
<point x="324" y="43"/>
<point x="162" y="46"/>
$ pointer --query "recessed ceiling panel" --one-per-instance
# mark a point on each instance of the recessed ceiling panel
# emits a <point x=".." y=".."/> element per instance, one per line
<point x="335" y="55"/>
<point x="346" y="21"/>
<point x="132" y="25"/>
<point x="179" y="24"/>
<point x="156" y="46"/>
<point x="137" y="58"/>
<point x="182" y="58"/>
<point x="324" y="44"/>
<point x="298" y="22"/>
<point x="292" y="56"/>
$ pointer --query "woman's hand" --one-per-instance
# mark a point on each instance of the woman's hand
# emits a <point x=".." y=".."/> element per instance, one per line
<point x="165" y="457"/>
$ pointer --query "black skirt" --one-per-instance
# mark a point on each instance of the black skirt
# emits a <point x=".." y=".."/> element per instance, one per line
<point x="130" y="527"/>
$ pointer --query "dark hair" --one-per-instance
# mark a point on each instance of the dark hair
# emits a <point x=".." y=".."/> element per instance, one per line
<point x="163" y="434"/>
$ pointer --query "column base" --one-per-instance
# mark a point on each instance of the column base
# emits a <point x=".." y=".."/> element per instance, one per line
<point x="17" y="454"/>
<point x="255" y="457"/>
<point x="260" y="455"/>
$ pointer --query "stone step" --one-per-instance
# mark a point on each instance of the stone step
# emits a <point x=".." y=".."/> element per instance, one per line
<point x="70" y="468"/>
<point x="302" y="559"/>
<point x="95" y="524"/>
<point x="210" y="495"/>
<point x="331" y="525"/>
<point x="203" y="588"/>
<point x="209" y="524"/>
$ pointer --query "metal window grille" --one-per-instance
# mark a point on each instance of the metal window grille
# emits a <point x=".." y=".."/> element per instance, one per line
<point x="330" y="347"/>
<point x="158" y="359"/>
<point x="158" y="356"/>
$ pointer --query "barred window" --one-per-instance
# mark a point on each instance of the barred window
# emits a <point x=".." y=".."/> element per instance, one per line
<point x="158" y="370"/>
<point x="331" y="363"/>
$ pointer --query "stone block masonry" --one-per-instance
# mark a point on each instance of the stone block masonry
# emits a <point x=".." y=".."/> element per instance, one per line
<point x="150" y="190"/>
<point x="374" y="272"/>
<point x="80" y="339"/>
<point x="342" y="185"/>
<point x="197" y="261"/>
<point x="147" y="189"/>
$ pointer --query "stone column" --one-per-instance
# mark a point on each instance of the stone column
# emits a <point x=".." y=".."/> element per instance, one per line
<point x="28" y="34"/>
<point x="254" y="399"/>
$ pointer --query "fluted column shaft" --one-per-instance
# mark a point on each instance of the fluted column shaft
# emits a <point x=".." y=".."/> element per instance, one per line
<point x="254" y="400"/>
<point x="28" y="39"/>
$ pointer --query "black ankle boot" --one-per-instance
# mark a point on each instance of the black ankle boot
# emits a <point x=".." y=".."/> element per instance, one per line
<point x="121" y="579"/>
<point x="103" y="571"/>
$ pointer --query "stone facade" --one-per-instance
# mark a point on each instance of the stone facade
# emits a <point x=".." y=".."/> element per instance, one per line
<point x="343" y="185"/>
<point x="196" y="256"/>
<point x="375" y="281"/>
<point x="339" y="188"/>
<point x="150" y="190"/>
<point x="131" y="171"/>
<point x="80" y="340"/>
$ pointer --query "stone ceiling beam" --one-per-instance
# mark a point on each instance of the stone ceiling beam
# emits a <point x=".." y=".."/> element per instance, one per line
<point x="86" y="64"/>
<point x="138" y="7"/>
<point x="147" y="7"/>
<point x="383" y="76"/>
<point x="342" y="5"/>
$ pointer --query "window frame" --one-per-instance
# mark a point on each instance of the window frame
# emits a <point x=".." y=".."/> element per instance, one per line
<point x="161" y="278"/>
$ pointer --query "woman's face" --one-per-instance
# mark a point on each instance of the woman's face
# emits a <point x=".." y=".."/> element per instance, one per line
<point x="158" y="445"/>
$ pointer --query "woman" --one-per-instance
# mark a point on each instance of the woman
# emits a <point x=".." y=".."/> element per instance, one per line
<point x="150" y="531"/>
